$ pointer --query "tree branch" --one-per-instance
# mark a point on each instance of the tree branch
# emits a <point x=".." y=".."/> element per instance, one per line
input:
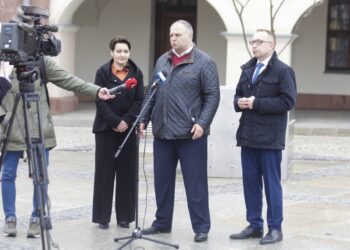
<point x="271" y="17"/>
<point x="239" y="8"/>
<point x="285" y="46"/>
<point x="240" y="16"/>
<point x="278" y="8"/>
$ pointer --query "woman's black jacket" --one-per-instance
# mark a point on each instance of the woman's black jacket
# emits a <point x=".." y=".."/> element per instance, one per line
<point x="125" y="106"/>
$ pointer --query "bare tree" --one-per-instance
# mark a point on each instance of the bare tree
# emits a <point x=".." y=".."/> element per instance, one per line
<point x="239" y="8"/>
<point x="274" y="14"/>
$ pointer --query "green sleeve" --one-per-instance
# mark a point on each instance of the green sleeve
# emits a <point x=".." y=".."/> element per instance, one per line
<point x="67" y="81"/>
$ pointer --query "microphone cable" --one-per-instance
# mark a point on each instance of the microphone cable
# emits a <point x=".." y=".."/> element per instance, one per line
<point x="145" y="176"/>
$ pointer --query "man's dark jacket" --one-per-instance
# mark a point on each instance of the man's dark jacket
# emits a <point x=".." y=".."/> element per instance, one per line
<point x="275" y="94"/>
<point x="190" y="95"/>
<point x="125" y="106"/>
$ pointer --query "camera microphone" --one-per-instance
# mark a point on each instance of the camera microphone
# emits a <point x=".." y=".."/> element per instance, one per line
<point x="130" y="83"/>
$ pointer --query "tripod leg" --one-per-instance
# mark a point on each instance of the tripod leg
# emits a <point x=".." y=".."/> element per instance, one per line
<point x="122" y="238"/>
<point x="126" y="243"/>
<point x="41" y="208"/>
<point x="133" y="237"/>
<point x="161" y="242"/>
<point x="37" y="163"/>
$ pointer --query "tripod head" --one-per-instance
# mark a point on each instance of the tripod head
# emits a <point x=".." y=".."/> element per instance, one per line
<point x="27" y="73"/>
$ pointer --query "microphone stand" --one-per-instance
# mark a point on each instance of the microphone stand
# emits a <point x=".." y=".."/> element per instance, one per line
<point x="137" y="232"/>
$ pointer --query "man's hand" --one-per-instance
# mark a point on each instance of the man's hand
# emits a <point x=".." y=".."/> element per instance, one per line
<point x="242" y="103"/>
<point x="104" y="94"/>
<point x="122" y="127"/>
<point x="5" y="70"/>
<point x="250" y="101"/>
<point x="197" y="131"/>
<point x="246" y="103"/>
<point x="141" y="130"/>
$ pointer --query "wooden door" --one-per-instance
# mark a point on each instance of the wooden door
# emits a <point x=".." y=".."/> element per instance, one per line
<point x="167" y="12"/>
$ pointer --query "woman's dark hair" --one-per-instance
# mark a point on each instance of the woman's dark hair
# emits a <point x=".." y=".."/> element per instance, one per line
<point x="119" y="39"/>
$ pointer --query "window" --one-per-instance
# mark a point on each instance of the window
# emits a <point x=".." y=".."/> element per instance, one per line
<point x="338" y="36"/>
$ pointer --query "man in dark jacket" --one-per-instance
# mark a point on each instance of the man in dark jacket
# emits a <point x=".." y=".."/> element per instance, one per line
<point x="266" y="91"/>
<point x="181" y="113"/>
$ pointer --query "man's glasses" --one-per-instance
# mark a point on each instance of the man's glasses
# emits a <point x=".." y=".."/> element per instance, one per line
<point x="258" y="42"/>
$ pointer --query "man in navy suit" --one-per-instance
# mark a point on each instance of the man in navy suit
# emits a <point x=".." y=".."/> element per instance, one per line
<point x="266" y="91"/>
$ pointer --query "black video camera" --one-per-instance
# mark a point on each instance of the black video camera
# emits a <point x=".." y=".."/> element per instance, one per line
<point x="24" y="39"/>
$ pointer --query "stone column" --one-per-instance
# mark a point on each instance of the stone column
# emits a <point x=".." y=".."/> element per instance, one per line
<point x="237" y="54"/>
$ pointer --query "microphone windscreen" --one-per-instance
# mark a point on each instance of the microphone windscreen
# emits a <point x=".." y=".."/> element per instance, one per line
<point x="130" y="83"/>
<point x="162" y="76"/>
<point x="54" y="28"/>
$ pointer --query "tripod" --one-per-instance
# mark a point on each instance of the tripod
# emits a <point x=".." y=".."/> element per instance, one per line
<point x="137" y="232"/>
<point x="35" y="148"/>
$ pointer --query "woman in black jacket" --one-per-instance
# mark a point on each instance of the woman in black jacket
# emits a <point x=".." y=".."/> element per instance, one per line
<point x="113" y="120"/>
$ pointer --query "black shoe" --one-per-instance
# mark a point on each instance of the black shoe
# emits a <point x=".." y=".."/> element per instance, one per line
<point x="123" y="224"/>
<point x="271" y="237"/>
<point x="247" y="233"/>
<point x="103" y="225"/>
<point x="201" y="237"/>
<point x="154" y="230"/>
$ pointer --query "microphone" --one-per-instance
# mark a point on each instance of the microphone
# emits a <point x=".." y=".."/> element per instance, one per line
<point x="160" y="78"/>
<point x="130" y="83"/>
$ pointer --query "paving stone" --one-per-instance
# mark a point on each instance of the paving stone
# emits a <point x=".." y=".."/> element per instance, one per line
<point x="316" y="195"/>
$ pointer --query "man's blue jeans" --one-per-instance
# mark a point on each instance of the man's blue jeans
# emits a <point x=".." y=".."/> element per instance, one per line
<point x="8" y="187"/>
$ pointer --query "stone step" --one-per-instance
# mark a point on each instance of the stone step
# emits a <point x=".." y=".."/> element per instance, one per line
<point x="315" y="131"/>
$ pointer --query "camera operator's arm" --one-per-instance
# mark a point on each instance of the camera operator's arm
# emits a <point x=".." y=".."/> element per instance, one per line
<point x="65" y="80"/>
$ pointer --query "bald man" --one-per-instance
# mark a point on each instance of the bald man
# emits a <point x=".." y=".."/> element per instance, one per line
<point x="181" y="113"/>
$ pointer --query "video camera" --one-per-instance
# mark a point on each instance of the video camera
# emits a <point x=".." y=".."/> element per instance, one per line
<point x="24" y="39"/>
